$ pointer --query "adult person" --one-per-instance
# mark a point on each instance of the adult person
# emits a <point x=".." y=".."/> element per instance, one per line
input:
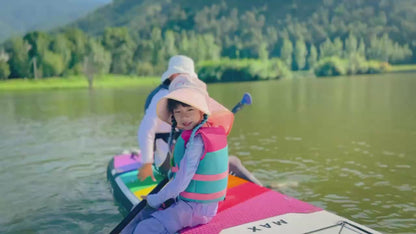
<point x="153" y="133"/>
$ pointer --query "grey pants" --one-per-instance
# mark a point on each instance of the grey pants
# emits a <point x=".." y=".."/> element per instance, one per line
<point x="238" y="169"/>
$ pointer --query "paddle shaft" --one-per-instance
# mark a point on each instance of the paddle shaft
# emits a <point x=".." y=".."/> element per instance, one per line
<point x="143" y="203"/>
<point x="137" y="209"/>
<point x="245" y="100"/>
<point x="237" y="107"/>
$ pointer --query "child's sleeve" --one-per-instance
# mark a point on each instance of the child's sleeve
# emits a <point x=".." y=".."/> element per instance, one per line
<point x="189" y="165"/>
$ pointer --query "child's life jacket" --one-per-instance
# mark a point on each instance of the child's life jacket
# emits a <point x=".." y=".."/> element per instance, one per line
<point x="209" y="183"/>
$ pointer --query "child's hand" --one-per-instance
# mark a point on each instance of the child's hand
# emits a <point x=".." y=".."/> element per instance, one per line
<point x="143" y="197"/>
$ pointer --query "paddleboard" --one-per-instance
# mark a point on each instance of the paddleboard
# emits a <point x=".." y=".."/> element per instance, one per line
<point x="247" y="208"/>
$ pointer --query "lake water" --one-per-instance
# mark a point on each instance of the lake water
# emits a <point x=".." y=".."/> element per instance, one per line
<point x="346" y="144"/>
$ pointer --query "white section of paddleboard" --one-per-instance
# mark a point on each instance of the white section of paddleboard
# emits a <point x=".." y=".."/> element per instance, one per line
<point x="316" y="222"/>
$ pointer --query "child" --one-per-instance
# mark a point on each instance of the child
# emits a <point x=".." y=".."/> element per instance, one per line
<point x="200" y="160"/>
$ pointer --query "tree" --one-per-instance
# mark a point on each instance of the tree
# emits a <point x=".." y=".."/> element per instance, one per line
<point x="271" y="37"/>
<point x="61" y="45"/>
<point x="4" y="70"/>
<point x="77" y="44"/>
<point x="199" y="47"/>
<point x="262" y="51"/>
<point x="361" y="48"/>
<point x="52" y="64"/>
<point x="169" y="44"/>
<point x="96" y="61"/>
<point x="380" y="48"/>
<point x="330" y="49"/>
<point x="286" y="52"/>
<point x="158" y="52"/>
<point x="122" y="47"/>
<point x="144" y="51"/>
<point x="300" y="54"/>
<point x="351" y="45"/>
<point x="4" y="66"/>
<point x="251" y="34"/>
<point x="184" y="44"/>
<point x="18" y="62"/>
<point x="212" y="50"/>
<point x="356" y="64"/>
<point x="313" y="57"/>
<point x="39" y="43"/>
<point x="143" y="58"/>
<point x="385" y="49"/>
<point x="400" y="53"/>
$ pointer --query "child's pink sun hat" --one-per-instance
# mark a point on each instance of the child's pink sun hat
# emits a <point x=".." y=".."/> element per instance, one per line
<point x="192" y="91"/>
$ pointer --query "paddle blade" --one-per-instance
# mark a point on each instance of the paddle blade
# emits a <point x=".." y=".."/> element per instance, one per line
<point x="247" y="100"/>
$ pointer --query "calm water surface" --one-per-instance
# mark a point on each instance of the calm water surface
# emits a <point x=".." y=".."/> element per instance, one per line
<point x="344" y="144"/>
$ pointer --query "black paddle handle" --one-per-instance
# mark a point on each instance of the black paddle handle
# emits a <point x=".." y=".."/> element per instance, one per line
<point x="137" y="209"/>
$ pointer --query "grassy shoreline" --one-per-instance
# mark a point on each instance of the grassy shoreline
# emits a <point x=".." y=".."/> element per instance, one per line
<point x="105" y="81"/>
<point x="114" y="81"/>
<point x="403" y="68"/>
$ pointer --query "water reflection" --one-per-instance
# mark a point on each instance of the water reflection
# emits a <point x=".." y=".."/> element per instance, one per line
<point x="344" y="144"/>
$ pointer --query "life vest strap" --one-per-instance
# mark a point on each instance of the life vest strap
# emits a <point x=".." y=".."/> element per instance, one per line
<point x="201" y="177"/>
<point x="204" y="197"/>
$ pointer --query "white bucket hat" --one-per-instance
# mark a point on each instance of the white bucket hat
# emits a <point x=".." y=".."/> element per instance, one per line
<point x="192" y="91"/>
<point x="180" y="64"/>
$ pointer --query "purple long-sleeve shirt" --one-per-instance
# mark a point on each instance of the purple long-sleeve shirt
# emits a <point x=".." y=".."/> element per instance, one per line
<point x="180" y="182"/>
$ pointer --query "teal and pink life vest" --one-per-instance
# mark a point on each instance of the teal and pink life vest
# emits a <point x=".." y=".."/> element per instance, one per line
<point x="209" y="183"/>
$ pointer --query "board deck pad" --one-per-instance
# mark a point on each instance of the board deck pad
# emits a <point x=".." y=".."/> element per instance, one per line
<point x="247" y="208"/>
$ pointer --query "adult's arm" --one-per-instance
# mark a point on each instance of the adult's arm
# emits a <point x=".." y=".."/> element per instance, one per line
<point x="146" y="136"/>
<point x="148" y="127"/>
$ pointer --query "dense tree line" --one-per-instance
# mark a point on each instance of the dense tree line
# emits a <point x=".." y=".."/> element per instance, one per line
<point x="332" y="35"/>
<point x="243" y="28"/>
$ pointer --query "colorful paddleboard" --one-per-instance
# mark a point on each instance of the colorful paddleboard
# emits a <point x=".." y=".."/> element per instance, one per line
<point x="248" y="208"/>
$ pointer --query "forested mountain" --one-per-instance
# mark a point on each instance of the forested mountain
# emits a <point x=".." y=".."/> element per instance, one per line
<point x="20" y="16"/>
<point x="331" y="37"/>
<point x="241" y="23"/>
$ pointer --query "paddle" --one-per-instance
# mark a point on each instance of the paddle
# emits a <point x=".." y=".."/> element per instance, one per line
<point x="137" y="209"/>
<point x="245" y="100"/>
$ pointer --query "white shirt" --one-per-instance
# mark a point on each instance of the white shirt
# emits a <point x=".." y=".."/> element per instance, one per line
<point x="149" y="126"/>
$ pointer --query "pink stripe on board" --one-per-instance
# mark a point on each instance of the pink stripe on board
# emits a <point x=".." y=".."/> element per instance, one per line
<point x="126" y="159"/>
<point x="200" y="196"/>
<point x="201" y="177"/>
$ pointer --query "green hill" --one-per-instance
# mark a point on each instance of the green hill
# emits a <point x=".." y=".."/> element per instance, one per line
<point x="262" y="20"/>
<point x="331" y="37"/>
<point x="322" y="17"/>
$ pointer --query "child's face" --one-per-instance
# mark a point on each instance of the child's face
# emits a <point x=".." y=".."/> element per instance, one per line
<point x="187" y="117"/>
